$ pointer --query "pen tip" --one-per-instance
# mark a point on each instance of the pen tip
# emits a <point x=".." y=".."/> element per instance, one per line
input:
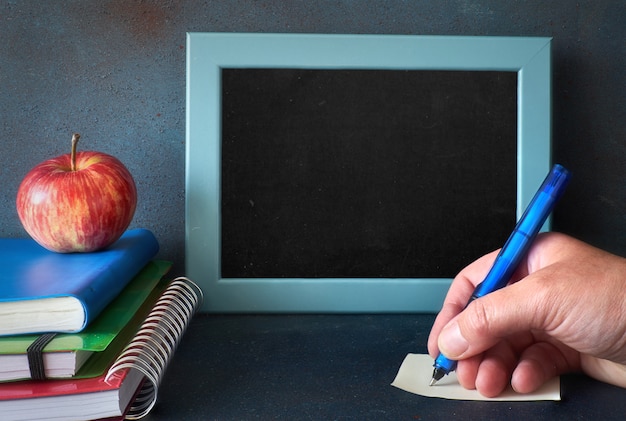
<point x="438" y="374"/>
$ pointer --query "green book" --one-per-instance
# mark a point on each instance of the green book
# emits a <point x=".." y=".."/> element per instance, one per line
<point x="89" y="352"/>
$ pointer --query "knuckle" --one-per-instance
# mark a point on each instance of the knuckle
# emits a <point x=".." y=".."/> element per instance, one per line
<point x="478" y="319"/>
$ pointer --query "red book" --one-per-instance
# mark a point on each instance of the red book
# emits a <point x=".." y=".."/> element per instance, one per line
<point x="81" y="399"/>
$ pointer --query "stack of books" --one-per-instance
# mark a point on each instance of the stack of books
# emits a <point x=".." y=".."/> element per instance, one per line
<point x="87" y="336"/>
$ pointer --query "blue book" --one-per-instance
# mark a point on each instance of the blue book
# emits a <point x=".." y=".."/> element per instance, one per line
<point x="44" y="291"/>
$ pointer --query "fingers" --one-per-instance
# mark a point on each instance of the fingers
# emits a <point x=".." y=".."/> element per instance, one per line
<point x="604" y="370"/>
<point x="459" y="293"/>
<point x="541" y="362"/>
<point x="494" y="372"/>
<point x="467" y="371"/>
<point x="491" y="372"/>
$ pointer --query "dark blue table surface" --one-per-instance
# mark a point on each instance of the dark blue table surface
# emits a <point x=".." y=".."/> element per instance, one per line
<point x="333" y="367"/>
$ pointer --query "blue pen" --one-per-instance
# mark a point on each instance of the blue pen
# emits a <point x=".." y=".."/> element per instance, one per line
<point x="515" y="248"/>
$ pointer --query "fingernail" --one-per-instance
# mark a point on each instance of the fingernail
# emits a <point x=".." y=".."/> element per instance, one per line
<point x="451" y="342"/>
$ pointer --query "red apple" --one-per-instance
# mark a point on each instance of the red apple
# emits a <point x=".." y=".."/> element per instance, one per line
<point x="78" y="202"/>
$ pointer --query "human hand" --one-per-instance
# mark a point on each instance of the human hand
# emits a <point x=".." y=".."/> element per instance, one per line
<point x="564" y="311"/>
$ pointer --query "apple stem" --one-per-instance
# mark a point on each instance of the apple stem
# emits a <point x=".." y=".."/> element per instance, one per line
<point x="75" y="138"/>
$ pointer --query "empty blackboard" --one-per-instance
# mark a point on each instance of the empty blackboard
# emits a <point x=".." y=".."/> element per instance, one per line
<point x="356" y="173"/>
<point x="365" y="173"/>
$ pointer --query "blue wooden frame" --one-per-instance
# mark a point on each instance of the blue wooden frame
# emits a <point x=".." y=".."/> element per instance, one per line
<point x="207" y="53"/>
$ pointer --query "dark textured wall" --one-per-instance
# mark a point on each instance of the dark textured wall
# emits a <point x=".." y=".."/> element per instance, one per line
<point x="114" y="71"/>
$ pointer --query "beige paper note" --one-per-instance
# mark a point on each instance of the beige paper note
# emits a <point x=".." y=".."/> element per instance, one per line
<point x="417" y="369"/>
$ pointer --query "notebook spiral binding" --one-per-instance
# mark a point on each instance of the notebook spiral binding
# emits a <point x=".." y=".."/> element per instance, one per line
<point x="153" y="346"/>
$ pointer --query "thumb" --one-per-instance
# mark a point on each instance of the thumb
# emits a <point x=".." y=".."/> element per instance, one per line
<point x="484" y="322"/>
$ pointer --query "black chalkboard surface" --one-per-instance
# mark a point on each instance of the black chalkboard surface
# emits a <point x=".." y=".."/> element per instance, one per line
<point x="348" y="173"/>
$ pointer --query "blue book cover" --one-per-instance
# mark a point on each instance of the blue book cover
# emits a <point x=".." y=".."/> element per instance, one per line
<point x="44" y="291"/>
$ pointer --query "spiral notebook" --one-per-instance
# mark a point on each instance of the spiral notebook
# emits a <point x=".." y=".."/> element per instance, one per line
<point x="129" y="387"/>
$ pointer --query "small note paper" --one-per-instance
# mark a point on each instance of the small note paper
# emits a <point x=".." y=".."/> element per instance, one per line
<point x="417" y="369"/>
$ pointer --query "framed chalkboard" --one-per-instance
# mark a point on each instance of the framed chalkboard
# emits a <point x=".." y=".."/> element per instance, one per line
<point x="356" y="173"/>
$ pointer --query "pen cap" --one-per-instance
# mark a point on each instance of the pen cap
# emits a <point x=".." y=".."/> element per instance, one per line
<point x="544" y="200"/>
<point x="556" y="181"/>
